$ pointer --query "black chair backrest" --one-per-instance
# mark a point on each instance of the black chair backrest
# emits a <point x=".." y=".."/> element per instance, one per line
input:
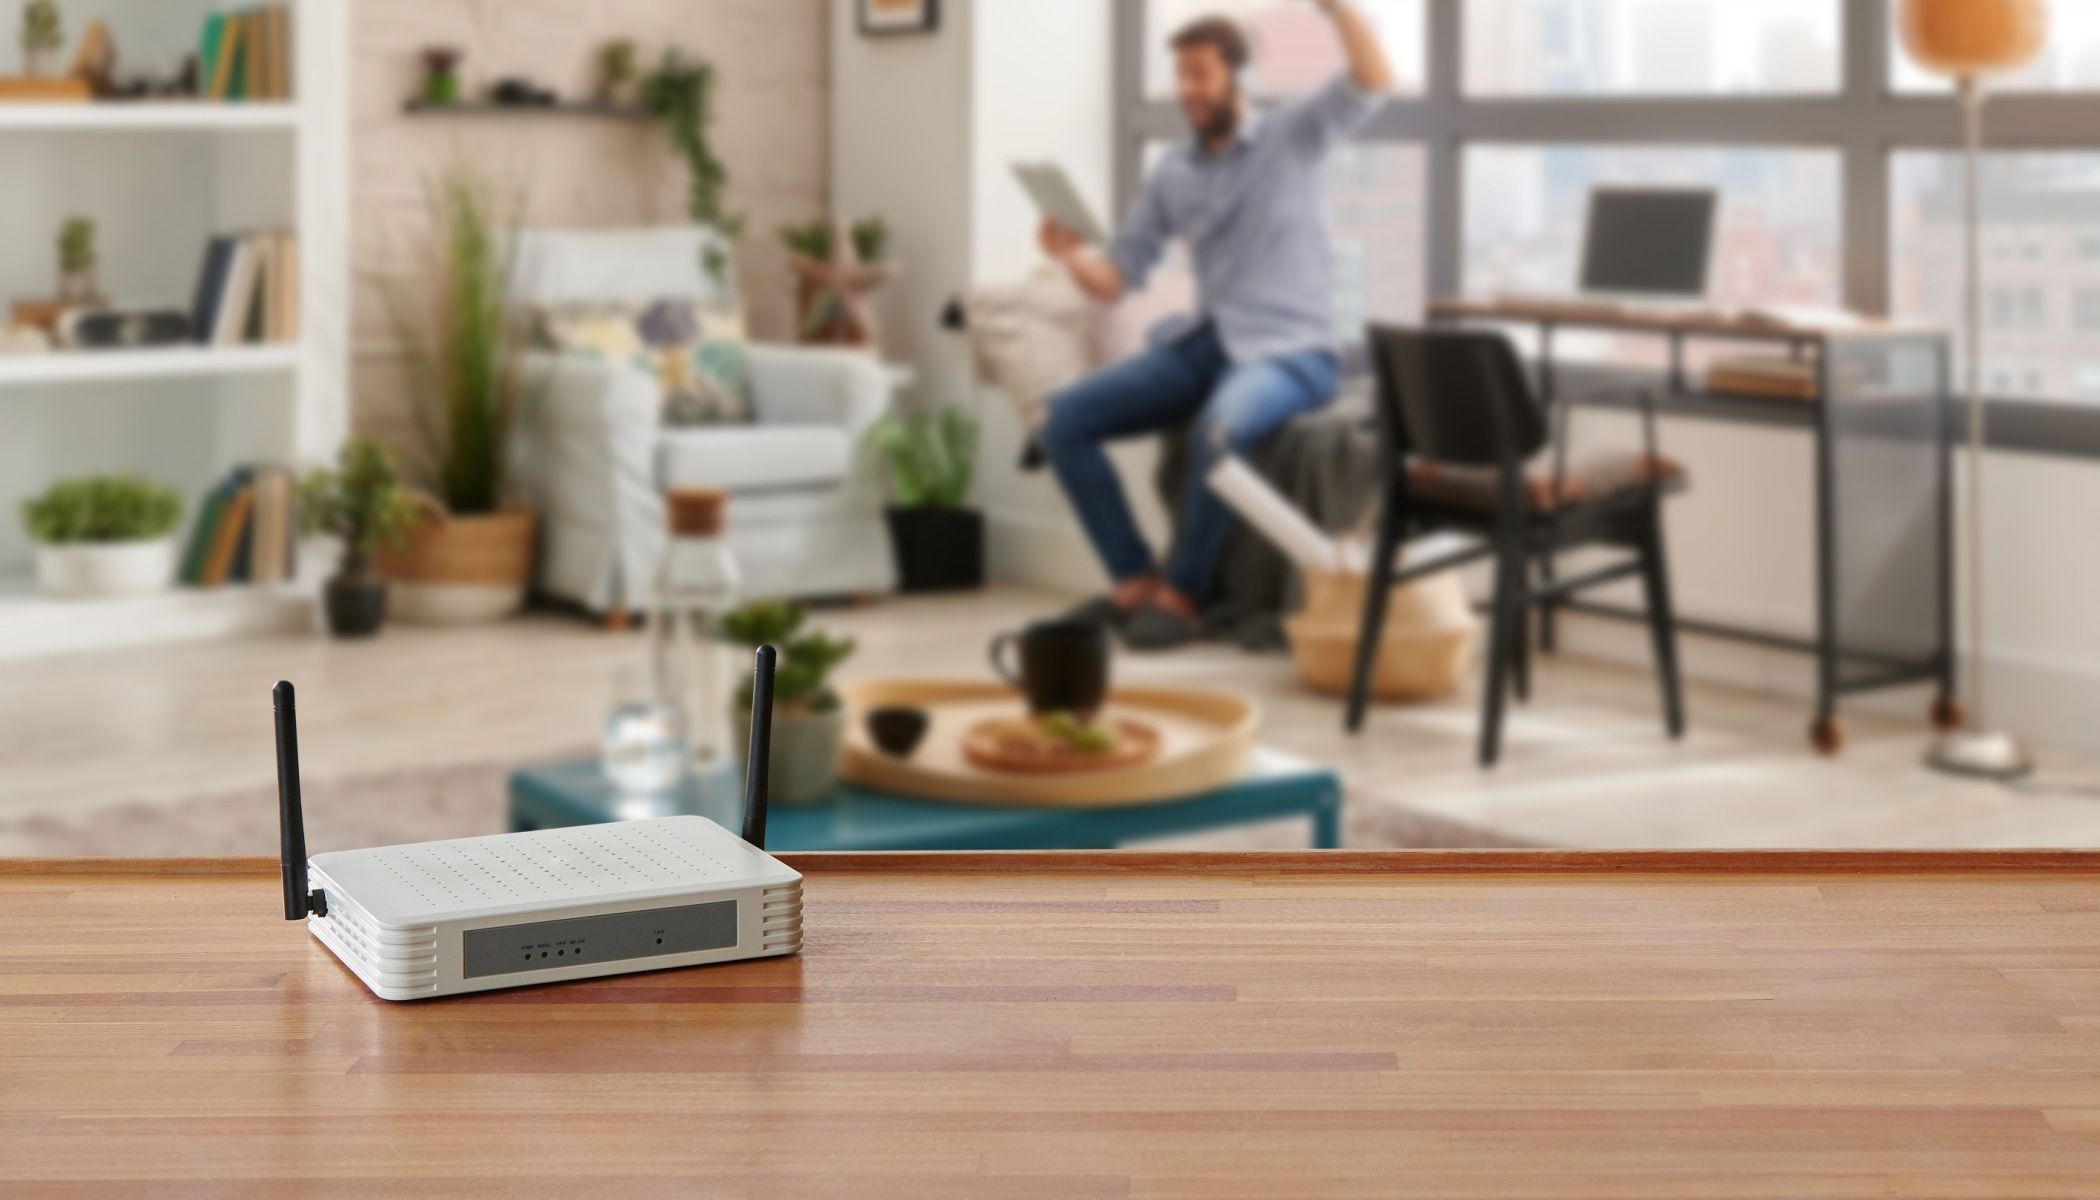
<point x="1455" y="396"/>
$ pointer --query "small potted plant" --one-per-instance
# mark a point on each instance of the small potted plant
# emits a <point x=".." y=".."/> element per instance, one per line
<point x="930" y="459"/>
<point x="616" y="71"/>
<point x="360" y="502"/>
<point x="441" y="76"/>
<point x="43" y="37"/>
<point x="76" y="262"/>
<point x="809" y="721"/>
<point x="104" y="536"/>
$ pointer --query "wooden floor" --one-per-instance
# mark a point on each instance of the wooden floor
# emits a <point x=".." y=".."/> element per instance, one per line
<point x="1163" y="1027"/>
<point x="1585" y="765"/>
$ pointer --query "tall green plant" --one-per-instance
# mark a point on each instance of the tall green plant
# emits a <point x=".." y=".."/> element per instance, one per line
<point x="680" y="93"/>
<point x="76" y="245"/>
<point x="361" y="502"/>
<point x="465" y="341"/>
<point x="43" y="30"/>
<point x="931" y="458"/>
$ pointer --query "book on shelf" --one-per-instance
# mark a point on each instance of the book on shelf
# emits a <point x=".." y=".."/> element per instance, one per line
<point x="246" y="530"/>
<point x="246" y="54"/>
<point x="1765" y="375"/>
<point x="247" y="289"/>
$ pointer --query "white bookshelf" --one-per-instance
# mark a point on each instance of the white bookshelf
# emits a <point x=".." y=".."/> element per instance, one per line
<point x="18" y="372"/>
<point x="159" y="179"/>
<point x="149" y="116"/>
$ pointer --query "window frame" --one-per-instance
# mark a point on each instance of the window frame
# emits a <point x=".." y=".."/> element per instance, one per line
<point x="1866" y="121"/>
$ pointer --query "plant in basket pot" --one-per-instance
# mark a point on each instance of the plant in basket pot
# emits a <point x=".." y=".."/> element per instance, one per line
<point x="362" y="504"/>
<point x="469" y="558"/>
<point x="809" y="720"/>
<point x="931" y="460"/>
<point x="103" y="536"/>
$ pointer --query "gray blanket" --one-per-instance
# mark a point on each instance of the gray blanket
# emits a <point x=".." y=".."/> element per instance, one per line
<point x="1329" y="464"/>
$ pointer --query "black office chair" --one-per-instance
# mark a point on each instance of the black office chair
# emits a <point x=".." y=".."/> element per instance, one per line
<point x="1462" y="428"/>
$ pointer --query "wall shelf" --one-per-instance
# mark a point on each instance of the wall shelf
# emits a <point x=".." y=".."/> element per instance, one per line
<point x="482" y="108"/>
<point x="121" y="116"/>
<point x="149" y="364"/>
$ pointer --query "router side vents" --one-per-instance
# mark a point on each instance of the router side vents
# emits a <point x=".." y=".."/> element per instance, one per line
<point x="780" y="919"/>
<point x="404" y="959"/>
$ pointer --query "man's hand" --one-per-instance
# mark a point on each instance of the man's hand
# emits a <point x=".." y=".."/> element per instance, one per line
<point x="1360" y="45"/>
<point x="1059" y="243"/>
<point x="1095" y="275"/>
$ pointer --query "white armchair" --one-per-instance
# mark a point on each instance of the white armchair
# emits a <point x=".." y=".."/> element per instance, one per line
<point x="805" y="511"/>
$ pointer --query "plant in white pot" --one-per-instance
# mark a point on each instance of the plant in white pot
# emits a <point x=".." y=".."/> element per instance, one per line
<point x="470" y="557"/>
<point x="104" y="536"/>
<point x="809" y="721"/>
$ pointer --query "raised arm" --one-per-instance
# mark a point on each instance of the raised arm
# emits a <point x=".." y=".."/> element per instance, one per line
<point x="1368" y="67"/>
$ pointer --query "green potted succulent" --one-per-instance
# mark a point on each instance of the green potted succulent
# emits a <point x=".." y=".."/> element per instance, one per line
<point x="616" y="71"/>
<point x="76" y="261"/>
<point x="360" y="502"/>
<point x="104" y="535"/>
<point x="931" y="460"/>
<point x="43" y="37"/>
<point x="809" y="720"/>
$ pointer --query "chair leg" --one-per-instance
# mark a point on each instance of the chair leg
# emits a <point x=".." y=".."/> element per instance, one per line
<point x="1520" y="630"/>
<point x="1502" y="636"/>
<point x="1662" y="620"/>
<point x="1378" y="591"/>
<point x="1549" y="615"/>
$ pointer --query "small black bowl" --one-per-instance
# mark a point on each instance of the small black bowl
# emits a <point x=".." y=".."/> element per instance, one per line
<point x="898" y="731"/>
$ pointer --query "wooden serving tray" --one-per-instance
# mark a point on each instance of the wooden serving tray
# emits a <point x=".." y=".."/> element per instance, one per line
<point x="1205" y="740"/>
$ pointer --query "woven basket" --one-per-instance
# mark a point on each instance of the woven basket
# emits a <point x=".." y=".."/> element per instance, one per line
<point x="1425" y="653"/>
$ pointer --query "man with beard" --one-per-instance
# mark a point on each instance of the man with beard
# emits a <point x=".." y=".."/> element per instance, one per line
<point x="1245" y="193"/>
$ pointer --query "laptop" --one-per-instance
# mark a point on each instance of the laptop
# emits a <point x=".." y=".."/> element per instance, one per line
<point x="1651" y="247"/>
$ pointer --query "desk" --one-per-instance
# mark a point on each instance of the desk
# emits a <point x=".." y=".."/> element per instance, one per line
<point x="1454" y="1025"/>
<point x="1883" y="453"/>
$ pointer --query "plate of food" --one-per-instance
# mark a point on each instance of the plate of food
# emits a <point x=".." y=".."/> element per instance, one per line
<point x="982" y="746"/>
<point x="1060" y="742"/>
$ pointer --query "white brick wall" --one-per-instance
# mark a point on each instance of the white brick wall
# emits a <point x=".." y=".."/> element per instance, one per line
<point x="772" y="96"/>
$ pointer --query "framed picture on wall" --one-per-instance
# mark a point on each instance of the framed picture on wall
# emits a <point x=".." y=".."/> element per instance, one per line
<point x="881" y="18"/>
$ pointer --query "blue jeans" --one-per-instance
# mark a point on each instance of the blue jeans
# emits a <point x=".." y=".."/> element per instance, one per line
<point x="1235" y="408"/>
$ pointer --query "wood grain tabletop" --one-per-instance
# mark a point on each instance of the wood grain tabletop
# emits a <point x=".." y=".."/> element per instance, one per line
<point x="1019" y="1026"/>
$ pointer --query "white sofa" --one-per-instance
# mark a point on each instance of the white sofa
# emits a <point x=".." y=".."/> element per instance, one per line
<point x="805" y="512"/>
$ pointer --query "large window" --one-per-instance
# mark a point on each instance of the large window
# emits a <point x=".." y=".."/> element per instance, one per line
<point x="1650" y="47"/>
<point x="1294" y="49"/>
<point x="1839" y="175"/>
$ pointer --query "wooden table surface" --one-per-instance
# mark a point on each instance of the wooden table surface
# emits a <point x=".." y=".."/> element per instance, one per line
<point x="1020" y="1026"/>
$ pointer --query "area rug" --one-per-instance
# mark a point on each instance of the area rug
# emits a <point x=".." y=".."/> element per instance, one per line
<point x="468" y="800"/>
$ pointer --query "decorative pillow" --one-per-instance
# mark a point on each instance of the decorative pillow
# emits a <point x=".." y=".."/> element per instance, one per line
<point x="695" y="351"/>
<point x="1032" y="338"/>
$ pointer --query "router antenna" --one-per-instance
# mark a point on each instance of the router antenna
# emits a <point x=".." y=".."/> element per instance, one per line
<point x="291" y="821"/>
<point x="759" y="757"/>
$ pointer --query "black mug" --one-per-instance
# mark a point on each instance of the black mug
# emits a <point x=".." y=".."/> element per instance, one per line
<point x="1064" y="666"/>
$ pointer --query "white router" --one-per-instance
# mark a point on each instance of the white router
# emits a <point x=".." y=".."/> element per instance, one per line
<point x="475" y="914"/>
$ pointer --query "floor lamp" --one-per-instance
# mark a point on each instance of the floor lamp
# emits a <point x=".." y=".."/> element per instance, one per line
<point x="1967" y="39"/>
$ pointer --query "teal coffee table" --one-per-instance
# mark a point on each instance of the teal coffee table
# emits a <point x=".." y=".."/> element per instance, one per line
<point x="1276" y="786"/>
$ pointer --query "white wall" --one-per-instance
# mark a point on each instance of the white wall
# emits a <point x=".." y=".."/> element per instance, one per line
<point x="925" y="132"/>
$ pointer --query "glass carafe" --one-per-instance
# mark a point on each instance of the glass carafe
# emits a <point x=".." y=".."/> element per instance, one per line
<point x="697" y="582"/>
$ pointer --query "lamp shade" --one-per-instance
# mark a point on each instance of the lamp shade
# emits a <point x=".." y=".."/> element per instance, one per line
<point x="1972" y="37"/>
